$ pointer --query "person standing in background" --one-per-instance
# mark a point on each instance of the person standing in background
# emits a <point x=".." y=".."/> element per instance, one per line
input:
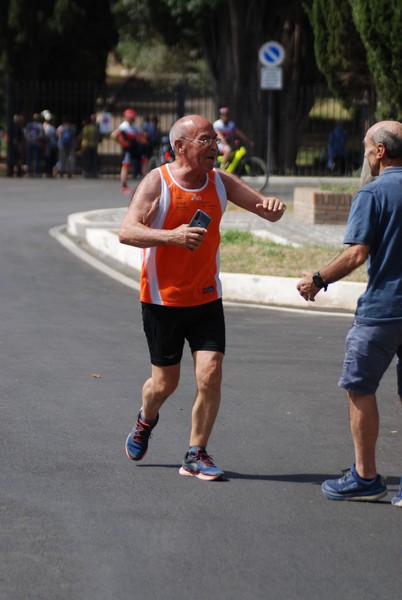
<point x="337" y="141"/>
<point x="66" y="135"/>
<point x="104" y="120"/>
<point x="18" y="153"/>
<point x="89" y="140"/>
<point x="50" y="150"/>
<point x="34" y="141"/>
<point x="127" y="134"/>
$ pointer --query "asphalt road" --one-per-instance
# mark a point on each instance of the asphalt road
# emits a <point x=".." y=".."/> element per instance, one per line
<point x="81" y="521"/>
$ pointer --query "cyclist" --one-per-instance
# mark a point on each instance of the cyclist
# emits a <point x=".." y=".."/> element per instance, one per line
<point x="127" y="135"/>
<point x="228" y="131"/>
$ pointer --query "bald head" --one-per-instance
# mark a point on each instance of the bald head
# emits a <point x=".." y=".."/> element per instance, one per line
<point x="186" y="127"/>
<point x="389" y="134"/>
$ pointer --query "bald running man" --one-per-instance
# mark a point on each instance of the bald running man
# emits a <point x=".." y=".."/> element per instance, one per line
<point x="181" y="293"/>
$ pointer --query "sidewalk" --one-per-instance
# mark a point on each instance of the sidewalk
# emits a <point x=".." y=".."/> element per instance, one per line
<point x="98" y="229"/>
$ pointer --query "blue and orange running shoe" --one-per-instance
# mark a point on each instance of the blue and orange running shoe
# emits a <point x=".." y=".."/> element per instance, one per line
<point x="352" y="487"/>
<point x="138" y="438"/>
<point x="200" y="464"/>
<point x="397" y="499"/>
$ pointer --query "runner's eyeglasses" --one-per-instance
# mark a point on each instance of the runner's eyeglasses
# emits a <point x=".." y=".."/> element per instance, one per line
<point x="208" y="142"/>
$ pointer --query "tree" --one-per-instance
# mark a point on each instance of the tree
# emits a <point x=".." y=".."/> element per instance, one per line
<point x="230" y="33"/>
<point x="146" y="47"/>
<point x="358" y="47"/>
<point x="54" y="40"/>
<point x="379" y="26"/>
<point x="339" y="50"/>
<point x="341" y="57"/>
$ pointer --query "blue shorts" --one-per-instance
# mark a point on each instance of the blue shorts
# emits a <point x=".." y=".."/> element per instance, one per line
<point x="167" y="328"/>
<point x="369" y="350"/>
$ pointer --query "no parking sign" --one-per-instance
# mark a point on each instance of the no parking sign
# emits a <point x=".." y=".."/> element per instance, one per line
<point x="271" y="54"/>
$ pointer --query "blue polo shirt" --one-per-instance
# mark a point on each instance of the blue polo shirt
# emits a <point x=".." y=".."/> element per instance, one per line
<point x="375" y="219"/>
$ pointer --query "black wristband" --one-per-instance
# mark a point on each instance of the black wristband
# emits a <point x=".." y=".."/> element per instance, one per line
<point x="319" y="282"/>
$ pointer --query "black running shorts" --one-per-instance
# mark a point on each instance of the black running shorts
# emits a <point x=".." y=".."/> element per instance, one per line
<point x="167" y="328"/>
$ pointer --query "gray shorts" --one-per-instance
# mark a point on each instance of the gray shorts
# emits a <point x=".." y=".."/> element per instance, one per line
<point x="369" y="350"/>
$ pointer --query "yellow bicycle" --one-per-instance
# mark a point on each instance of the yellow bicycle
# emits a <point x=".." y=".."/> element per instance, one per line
<point x="250" y="169"/>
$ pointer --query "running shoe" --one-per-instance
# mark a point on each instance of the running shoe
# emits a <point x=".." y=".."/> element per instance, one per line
<point x="397" y="500"/>
<point x="125" y="189"/>
<point x="200" y="464"/>
<point x="138" y="438"/>
<point x="352" y="487"/>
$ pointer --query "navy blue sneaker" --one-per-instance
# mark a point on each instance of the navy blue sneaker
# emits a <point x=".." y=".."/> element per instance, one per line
<point x="397" y="500"/>
<point x="200" y="464"/>
<point x="138" y="438"/>
<point x="352" y="487"/>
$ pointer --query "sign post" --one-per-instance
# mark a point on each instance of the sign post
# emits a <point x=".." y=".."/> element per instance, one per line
<point x="271" y="55"/>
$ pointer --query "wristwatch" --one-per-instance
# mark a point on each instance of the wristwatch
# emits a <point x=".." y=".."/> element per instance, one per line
<point x="319" y="282"/>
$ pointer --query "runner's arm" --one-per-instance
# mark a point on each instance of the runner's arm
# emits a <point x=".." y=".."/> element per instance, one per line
<point x="242" y="195"/>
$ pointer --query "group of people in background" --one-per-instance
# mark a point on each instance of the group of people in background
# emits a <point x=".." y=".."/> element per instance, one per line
<point x="40" y="146"/>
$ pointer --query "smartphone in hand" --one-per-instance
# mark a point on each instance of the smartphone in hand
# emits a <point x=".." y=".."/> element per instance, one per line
<point x="200" y="219"/>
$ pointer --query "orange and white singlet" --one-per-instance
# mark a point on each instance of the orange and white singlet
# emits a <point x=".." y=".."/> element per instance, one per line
<point x="176" y="276"/>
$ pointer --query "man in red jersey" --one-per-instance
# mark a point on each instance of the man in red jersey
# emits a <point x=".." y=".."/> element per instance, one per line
<point x="127" y="135"/>
<point x="181" y="293"/>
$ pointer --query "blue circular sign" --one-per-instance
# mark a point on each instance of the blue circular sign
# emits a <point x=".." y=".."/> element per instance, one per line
<point x="271" y="54"/>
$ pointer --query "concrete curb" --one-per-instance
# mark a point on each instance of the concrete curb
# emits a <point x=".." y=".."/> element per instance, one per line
<point x="101" y="235"/>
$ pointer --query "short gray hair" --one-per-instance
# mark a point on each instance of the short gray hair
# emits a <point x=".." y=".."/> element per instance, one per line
<point x="179" y="130"/>
<point x="391" y="140"/>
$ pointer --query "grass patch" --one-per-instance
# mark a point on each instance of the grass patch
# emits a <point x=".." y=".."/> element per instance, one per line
<point x="242" y="252"/>
<point x="344" y="188"/>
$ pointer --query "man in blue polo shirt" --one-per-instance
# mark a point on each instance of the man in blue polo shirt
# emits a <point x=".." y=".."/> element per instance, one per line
<point x="373" y="234"/>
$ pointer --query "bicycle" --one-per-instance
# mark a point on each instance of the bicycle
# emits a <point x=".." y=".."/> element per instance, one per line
<point x="250" y="169"/>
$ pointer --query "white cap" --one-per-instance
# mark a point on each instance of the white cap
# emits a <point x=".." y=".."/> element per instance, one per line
<point x="47" y="115"/>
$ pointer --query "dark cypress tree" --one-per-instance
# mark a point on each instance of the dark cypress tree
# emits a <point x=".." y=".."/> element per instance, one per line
<point x="339" y="50"/>
<point x="379" y="25"/>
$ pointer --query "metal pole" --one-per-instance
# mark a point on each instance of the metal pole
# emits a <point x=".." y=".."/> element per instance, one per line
<point x="269" y="132"/>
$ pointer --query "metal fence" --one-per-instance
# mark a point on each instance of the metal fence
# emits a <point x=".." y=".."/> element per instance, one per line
<point x="318" y="143"/>
<point x="163" y="100"/>
<point x="167" y="101"/>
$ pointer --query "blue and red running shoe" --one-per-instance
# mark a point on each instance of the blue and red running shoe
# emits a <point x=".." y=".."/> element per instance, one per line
<point x="138" y="438"/>
<point x="200" y="464"/>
